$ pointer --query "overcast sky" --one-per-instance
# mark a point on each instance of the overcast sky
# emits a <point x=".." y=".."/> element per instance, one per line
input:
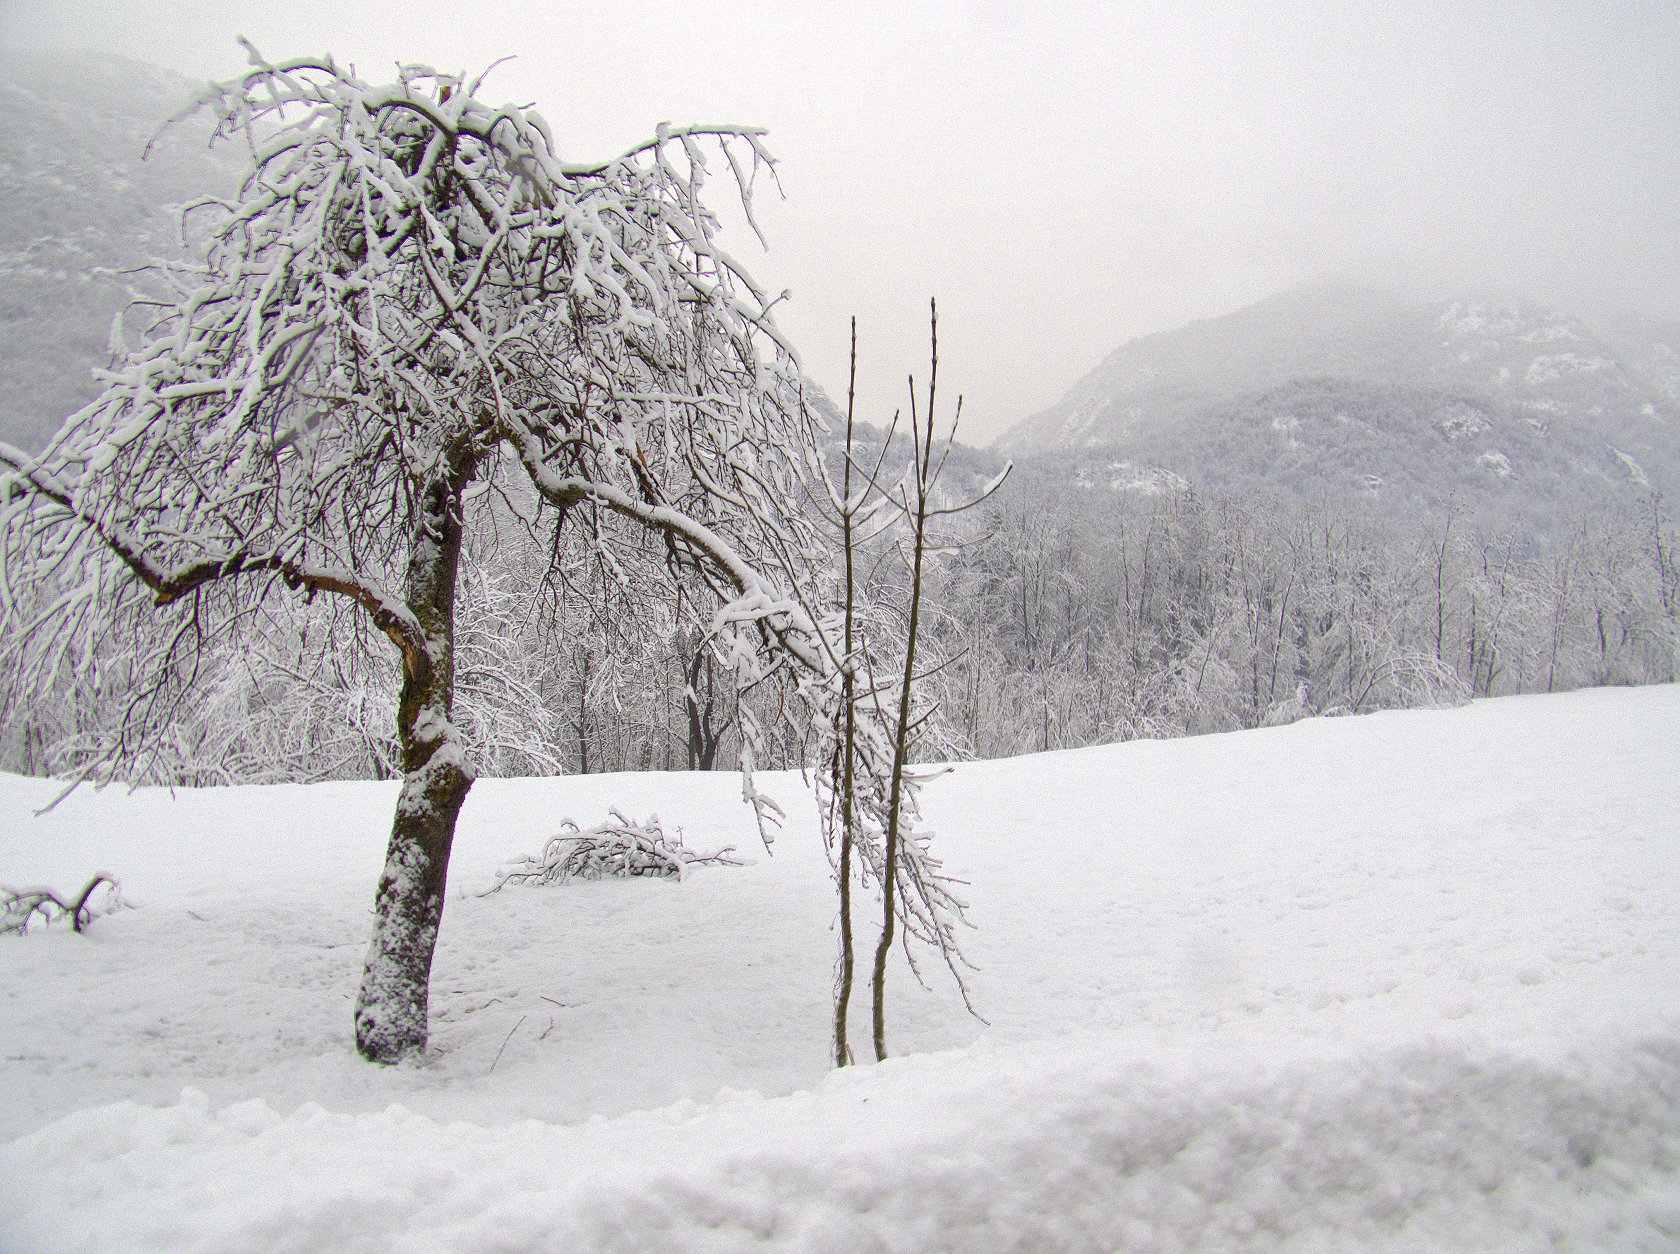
<point x="1065" y="180"/>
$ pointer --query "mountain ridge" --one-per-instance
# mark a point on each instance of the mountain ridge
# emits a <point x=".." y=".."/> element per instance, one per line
<point x="1352" y="389"/>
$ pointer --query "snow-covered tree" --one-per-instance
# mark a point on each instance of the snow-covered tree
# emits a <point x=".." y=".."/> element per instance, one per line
<point x="413" y="308"/>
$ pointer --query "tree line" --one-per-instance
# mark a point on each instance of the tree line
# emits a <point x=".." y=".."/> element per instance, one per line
<point x="1105" y="618"/>
<point x="1054" y="622"/>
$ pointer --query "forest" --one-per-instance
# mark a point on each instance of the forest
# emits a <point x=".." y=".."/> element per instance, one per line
<point x="1054" y="620"/>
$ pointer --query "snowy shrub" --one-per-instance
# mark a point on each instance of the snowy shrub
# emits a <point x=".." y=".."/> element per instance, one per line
<point x="615" y="849"/>
<point x="23" y="908"/>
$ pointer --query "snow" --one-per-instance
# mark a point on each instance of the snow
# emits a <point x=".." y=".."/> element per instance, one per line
<point x="1459" y="421"/>
<point x="1551" y="366"/>
<point x="1496" y="462"/>
<point x="1635" y="471"/>
<point x="1130" y="476"/>
<point x="1401" y="982"/>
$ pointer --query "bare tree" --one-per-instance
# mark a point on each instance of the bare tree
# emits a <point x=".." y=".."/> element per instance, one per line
<point x="842" y="765"/>
<point x="412" y="305"/>
<point x="866" y="782"/>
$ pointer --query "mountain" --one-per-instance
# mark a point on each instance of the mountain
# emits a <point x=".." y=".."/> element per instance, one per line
<point x="81" y="199"/>
<point x="1338" y="391"/>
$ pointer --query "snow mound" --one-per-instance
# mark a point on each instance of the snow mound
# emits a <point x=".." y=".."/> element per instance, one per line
<point x="1078" y="1148"/>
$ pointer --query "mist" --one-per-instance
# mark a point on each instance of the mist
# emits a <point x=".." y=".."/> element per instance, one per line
<point x="1065" y="181"/>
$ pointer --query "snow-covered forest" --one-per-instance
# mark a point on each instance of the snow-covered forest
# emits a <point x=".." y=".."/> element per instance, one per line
<point x="1064" y="619"/>
<point x="784" y="824"/>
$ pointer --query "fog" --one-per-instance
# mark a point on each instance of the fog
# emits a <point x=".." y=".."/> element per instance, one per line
<point x="1064" y="181"/>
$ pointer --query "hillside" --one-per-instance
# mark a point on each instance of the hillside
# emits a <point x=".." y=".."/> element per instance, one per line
<point x="1514" y="408"/>
<point x="1401" y="982"/>
<point x="80" y="198"/>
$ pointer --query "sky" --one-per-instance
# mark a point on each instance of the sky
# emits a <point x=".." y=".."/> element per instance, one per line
<point x="1068" y="176"/>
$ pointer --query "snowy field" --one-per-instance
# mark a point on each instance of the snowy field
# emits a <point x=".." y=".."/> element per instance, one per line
<point x="1402" y="982"/>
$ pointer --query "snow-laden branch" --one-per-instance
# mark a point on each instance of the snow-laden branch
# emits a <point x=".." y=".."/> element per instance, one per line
<point x="170" y="584"/>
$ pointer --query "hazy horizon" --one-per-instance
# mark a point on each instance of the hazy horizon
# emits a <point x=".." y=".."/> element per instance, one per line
<point x="1065" y="182"/>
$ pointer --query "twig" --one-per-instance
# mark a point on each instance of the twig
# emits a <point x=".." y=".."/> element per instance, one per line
<point x="505" y="1041"/>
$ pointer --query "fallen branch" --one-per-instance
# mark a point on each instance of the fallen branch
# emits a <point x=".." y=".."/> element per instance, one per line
<point x="616" y="849"/>
<point x="22" y="908"/>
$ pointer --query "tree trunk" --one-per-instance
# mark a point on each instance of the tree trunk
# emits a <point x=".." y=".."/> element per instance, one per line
<point x="583" y="715"/>
<point x="392" y="1006"/>
<point x="703" y="737"/>
<point x="848" y="741"/>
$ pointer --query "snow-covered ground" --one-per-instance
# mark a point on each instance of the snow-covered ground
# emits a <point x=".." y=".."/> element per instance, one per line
<point x="1403" y="982"/>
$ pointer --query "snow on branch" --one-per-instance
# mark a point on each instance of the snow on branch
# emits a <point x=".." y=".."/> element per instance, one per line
<point x="406" y="278"/>
<point x="24" y="908"/>
<point x="615" y="849"/>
